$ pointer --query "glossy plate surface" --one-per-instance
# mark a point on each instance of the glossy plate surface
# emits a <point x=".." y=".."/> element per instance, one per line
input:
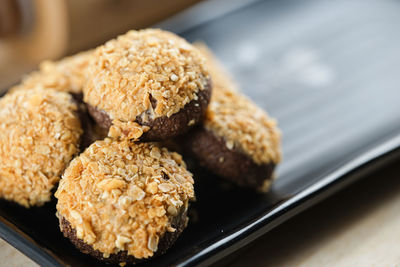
<point x="327" y="70"/>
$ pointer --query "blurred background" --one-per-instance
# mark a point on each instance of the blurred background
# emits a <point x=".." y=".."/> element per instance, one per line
<point x="33" y="30"/>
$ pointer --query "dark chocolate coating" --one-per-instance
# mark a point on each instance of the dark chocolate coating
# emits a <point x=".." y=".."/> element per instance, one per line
<point x="78" y="97"/>
<point x="166" y="241"/>
<point x="84" y="118"/>
<point x="163" y="128"/>
<point x="88" y="125"/>
<point x="100" y="116"/>
<point x="208" y="149"/>
<point x="91" y="132"/>
<point x="86" y="137"/>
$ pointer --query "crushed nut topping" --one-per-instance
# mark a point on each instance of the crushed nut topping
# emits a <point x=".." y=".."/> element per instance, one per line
<point x="237" y="119"/>
<point x="130" y="130"/>
<point x="123" y="201"/>
<point x="149" y="73"/>
<point x="67" y="75"/>
<point x="39" y="134"/>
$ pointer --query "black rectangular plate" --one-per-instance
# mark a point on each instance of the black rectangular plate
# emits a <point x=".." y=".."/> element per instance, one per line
<point x="327" y="70"/>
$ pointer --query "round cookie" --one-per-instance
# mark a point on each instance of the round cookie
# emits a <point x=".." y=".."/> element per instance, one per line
<point x="149" y="85"/>
<point x="40" y="132"/>
<point x="237" y="141"/>
<point x="124" y="202"/>
<point x="67" y="75"/>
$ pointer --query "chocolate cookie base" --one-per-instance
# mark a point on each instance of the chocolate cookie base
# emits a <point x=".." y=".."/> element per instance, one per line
<point x="77" y="96"/>
<point x="164" y="128"/>
<point x="166" y="241"/>
<point x="100" y="116"/>
<point x="211" y="152"/>
<point x="91" y="132"/>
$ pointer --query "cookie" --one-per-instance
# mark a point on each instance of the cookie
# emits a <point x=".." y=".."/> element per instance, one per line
<point x="67" y="75"/>
<point x="179" y="223"/>
<point x="124" y="202"/>
<point x="238" y="140"/>
<point x="147" y="85"/>
<point x="40" y="133"/>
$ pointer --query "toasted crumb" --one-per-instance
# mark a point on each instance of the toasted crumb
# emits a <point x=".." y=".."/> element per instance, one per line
<point x="237" y="119"/>
<point x="39" y="134"/>
<point x="68" y="74"/>
<point x="125" y="194"/>
<point x="149" y="73"/>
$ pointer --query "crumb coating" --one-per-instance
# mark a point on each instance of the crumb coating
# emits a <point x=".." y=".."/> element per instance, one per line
<point x="149" y="73"/>
<point x="67" y="75"/>
<point x="238" y="120"/>
<point x="39" y="134"/>
<point x="122" y="196"/>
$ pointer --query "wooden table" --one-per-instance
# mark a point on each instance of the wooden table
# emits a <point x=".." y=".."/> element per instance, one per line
<point x="12" y="257"/>
<point x="359" y="226"/>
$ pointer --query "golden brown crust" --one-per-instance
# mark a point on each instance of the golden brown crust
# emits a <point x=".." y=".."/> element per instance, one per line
<point x="39" y="134"/>
<point x="67" y="75"/>
<point x="162" y="128"/>
<point x="142" y="67"/>
<point x="232" y="116"/>
<point x="122" y="196"/>
<point x="179" y="223"/>
<point x="210" y="151"/>
<point x="243" y="125"/>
